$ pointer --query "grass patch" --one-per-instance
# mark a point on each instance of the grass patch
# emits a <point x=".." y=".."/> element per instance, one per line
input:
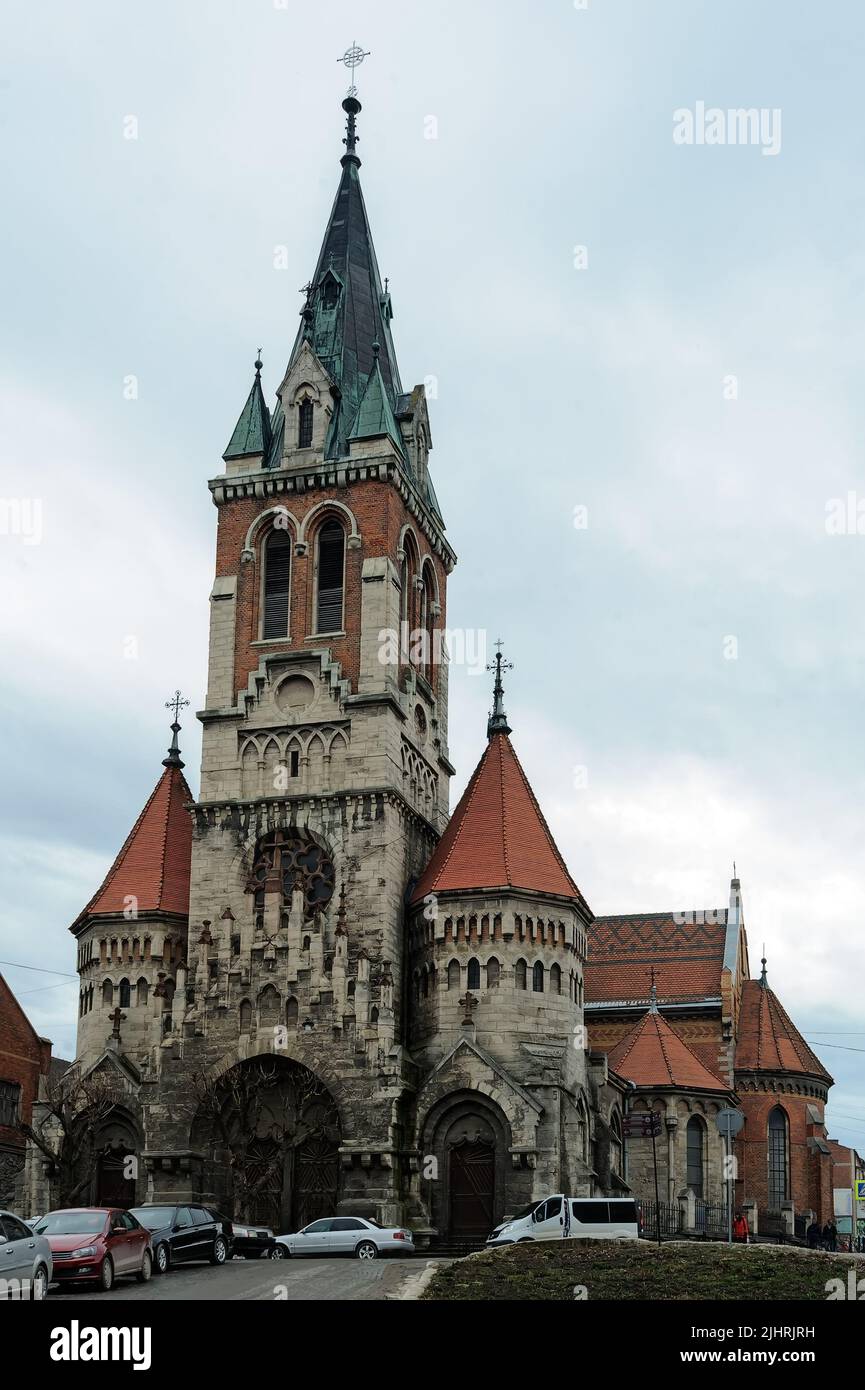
<point x="549" y="1271"/>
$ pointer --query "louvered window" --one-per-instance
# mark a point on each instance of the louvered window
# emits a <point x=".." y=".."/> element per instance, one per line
<point x="304" y="425"/>
<point x="331" y="550"/>
<point x="277" y="581"/>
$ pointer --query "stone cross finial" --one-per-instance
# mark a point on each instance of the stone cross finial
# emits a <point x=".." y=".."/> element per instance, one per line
<point x="469" y="1003"/>
<point x="116" y="1018"/>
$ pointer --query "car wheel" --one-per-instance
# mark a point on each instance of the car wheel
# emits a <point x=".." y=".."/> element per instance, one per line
<point x="220" y="1252"/>
<point x="162" y="1261"/>
<point x="366" y="1250"/>
<point x="278" y="1252"/>
<point x="144" y="1273"/>
<point x="106" y="1275"/>
<point x="39" y="1285"/>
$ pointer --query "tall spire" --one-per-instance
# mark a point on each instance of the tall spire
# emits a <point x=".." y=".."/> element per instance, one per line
<point x="347" y="307"/>
<point x="177" y="703"/>
<point x="498" y="720"/>
<point x="764" y="978"/>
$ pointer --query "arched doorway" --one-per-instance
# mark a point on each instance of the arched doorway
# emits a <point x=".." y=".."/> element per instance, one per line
<point x="117" y="1148"/>
<point x="469" y="1138"/>
<point x="271" y="1132"/>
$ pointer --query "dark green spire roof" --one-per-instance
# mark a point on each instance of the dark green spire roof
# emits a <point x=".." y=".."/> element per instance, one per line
<point x="252" y="431"/>
<point x="375" y="415"/>
<point x="347" y="309"/>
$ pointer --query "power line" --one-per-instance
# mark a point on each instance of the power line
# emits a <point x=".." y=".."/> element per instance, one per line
<point x="16" y="965"/>
<point x="838" y="1046"/>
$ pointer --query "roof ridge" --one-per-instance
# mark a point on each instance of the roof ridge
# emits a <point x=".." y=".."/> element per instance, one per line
<point x="504" y="807"/>
<point x="466" y="802"/>
<point x="109" y="877"/>
<point x="662" y="1043"/>
<point x="528" y="786"/>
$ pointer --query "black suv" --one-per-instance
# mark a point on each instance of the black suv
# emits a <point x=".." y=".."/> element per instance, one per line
<point x="187" y="1231"/>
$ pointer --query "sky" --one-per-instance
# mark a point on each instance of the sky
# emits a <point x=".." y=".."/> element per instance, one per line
<point x="645" y="357"/>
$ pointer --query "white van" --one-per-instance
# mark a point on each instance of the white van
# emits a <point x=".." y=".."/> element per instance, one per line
<point x="571" y="1218"/>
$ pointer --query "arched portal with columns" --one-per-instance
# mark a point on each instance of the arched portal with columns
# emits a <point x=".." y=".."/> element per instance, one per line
<point x="270" y="1131"/>
<point x="467" y="1138"/>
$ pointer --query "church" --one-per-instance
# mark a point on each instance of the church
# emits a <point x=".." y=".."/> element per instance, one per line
<point x="311" y="990"/>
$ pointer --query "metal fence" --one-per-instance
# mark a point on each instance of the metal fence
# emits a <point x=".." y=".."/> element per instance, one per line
<point x="669" y="1213"/>
<point x="710" y="1219"/>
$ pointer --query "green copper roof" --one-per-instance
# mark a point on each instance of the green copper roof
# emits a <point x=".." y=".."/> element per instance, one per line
<point x="252" y="432"/>
<point x="375" y="415"/>
<point x="348" y="310"/>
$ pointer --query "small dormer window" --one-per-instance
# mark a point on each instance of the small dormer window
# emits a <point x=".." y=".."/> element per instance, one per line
<point x="329" y="292"/>
<point x="304" y="424"/>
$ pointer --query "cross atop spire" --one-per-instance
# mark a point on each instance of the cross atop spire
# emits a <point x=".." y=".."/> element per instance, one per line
<point x="498" y="720"/>
<point x="176" y="703"/>
<point x="352" y="59"/>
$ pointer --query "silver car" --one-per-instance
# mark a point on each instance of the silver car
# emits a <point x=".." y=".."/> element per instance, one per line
<point x="348" y="1235"/>
<point x="26" y="1265"/>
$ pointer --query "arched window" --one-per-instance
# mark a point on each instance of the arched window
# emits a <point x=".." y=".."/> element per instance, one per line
<point x="493" y="973"/>
<point x="538" y="977"/>
<point x="555" y="979"/>
<point x="277" y="584"/>
<point x="779" y="1185"/>
<point x="331" y="565"/>
<point x="245" y="1016"/>
<point x="426" y="621"/>
<point x="694" y="1149"/>
<point x="125" y="994"/>
<point x="582" y="1132"/>
<point x="304" y="424"/>
<point x="520" y="974"/>
<point x="616" y="1142"/>
<point x="454" y="974"/>
<point x="473" y="980"/>
<point x="107" y="993"/>
<point x="141" y="991"/>
<point x="291" y="1011"/>
<point x="373" y="1014"/>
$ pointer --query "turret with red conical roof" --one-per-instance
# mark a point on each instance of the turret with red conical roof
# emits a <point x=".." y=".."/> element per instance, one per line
<point x="135" y="926"/>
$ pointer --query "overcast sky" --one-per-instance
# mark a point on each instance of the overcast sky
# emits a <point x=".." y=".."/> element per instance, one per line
<point x="693" y="378"/>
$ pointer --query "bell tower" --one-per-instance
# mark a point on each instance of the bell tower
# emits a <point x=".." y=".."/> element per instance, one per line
<point x="325" y="770"/>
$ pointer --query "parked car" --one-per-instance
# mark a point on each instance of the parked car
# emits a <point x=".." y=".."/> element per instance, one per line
<point x="348" y="1235"/>
<point x="571" y="1218"/>
<point x="97" y="1245"/>
<point x="26" y="1264"/>
<point x="186" y="1231"/>
<point x="256" y="1242"/>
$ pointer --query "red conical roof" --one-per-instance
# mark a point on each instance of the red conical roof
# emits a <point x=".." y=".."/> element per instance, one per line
<point x="768" y="1040"/>
<point x="497" y="836"/>
<point x="154" y="864"/>
<point x="652" y="1054"/>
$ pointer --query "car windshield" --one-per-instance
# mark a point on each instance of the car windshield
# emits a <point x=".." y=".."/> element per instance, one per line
<point x="71" y="1223"/>
<point x="524" y="1211"/>
<point x="154" y="1218"/>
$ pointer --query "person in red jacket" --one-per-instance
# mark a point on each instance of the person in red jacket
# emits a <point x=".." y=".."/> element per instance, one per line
<point x="740" y="1229"/>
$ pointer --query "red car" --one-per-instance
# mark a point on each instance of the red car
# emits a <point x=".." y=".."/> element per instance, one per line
<point x="98" y="1244"/>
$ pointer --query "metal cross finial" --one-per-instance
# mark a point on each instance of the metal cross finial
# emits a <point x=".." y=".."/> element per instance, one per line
<point x="498" y="720"/>
<point x="177" y="702"/>
<point x="653" y="992"/>
<point x="352" y="59"/>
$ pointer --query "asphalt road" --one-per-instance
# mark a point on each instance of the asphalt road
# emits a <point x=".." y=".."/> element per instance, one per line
<point x="264" y="1280"/>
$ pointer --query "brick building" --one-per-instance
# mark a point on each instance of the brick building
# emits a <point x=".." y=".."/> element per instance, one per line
<point x="312" y="990"/>
<point x="24" y="1059"/>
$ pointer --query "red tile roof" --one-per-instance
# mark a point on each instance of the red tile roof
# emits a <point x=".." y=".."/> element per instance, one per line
<point x="768" y="1040"/>
<point x="653" y="1054"/>
<point x="497" y="836"/>
<point x="688" y="958"/>
<point x="154" y="863"/>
